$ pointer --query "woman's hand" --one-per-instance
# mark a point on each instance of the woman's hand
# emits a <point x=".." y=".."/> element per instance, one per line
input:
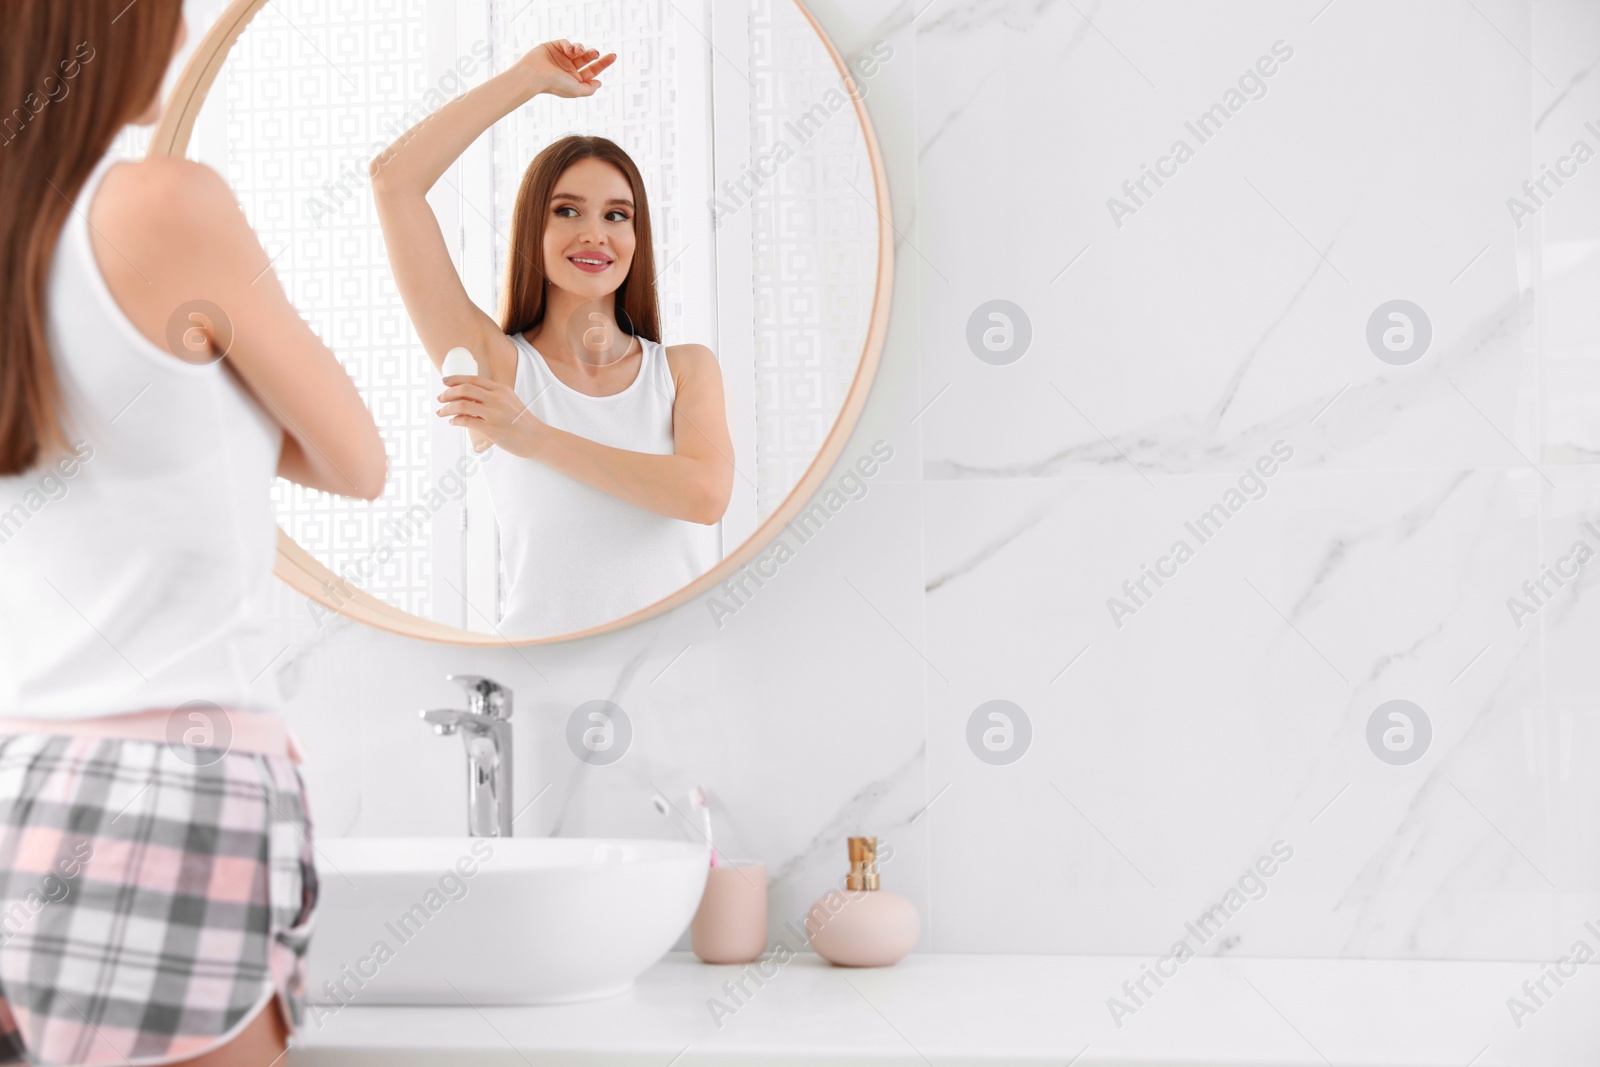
<point x="493" y="411"/>
<point x="563" y="68"/>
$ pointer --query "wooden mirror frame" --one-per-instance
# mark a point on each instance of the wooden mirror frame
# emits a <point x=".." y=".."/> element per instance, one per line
<point x="310" y="577"/>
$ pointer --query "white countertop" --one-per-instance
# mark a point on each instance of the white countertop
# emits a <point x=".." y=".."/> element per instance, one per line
<point x="993" y="1010"/>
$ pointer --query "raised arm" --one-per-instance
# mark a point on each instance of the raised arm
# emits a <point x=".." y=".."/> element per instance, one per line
<point x="444" y="315"/>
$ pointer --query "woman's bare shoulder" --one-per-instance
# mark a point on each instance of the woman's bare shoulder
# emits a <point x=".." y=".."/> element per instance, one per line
<point x="693" y="368"/>
<point x="171" y="209"/>
<point x="692" y="360"/>
<point x="168" y="189"/>
<point x="167" y="231"/>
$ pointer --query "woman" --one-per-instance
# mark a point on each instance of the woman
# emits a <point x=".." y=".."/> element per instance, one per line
<point x="156" y="885"/>
<point x="614" y="457"/>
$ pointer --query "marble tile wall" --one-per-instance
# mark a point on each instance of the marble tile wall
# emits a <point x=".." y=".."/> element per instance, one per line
<point x="1185" y="342"/>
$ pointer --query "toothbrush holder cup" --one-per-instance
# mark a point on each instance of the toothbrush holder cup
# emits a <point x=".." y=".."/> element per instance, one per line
<point x="731" y="923"/>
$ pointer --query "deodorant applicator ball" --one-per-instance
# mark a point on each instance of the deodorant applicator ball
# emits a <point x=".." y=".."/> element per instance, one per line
<point x="458" y="361"/>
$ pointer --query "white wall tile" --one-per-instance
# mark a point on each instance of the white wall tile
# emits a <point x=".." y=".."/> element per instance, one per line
<point x="1230" y="710"/>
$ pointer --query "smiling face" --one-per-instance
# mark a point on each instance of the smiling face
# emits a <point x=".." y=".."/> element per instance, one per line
<point x="589" y="237"/>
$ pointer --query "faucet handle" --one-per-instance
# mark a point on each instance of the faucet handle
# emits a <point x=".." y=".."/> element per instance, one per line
<point x="485" y="696"/>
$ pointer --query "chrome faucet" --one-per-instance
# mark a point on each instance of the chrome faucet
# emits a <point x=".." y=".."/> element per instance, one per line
<point x="486" y="732"/>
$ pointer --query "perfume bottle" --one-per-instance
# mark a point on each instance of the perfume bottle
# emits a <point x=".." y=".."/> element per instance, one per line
<point x="863" y="926"/>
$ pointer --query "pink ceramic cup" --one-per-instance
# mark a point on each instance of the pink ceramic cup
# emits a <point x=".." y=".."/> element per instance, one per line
<point x="731" y="923"/>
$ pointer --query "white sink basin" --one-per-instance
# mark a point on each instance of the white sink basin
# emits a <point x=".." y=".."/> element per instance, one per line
<point x="520" y="920"/>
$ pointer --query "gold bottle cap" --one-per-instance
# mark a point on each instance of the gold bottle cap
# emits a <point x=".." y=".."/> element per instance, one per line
<point x="863" y="863"/>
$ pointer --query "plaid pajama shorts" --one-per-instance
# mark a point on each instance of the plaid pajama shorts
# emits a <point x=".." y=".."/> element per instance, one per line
<point x="149" y="906"/>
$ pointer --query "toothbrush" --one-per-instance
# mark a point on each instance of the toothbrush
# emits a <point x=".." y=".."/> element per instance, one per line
<point x="697" y="802"/>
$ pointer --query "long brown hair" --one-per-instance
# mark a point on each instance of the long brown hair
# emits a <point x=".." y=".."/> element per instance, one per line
<point x="76" y="71"/>
<point x="522" y="303"/>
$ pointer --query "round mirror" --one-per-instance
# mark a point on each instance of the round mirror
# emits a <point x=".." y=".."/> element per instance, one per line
<point x="759" y="179"/>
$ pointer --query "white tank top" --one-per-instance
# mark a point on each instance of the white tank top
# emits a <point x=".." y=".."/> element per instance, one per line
<point x="135" y="574"/>
<point x="576" y="556"/>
